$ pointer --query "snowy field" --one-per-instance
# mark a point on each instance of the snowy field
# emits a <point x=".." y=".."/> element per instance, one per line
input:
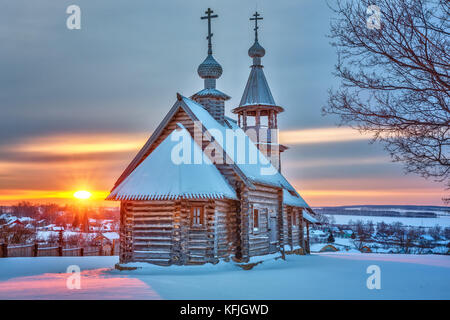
<point x="317" y="276"/>
<point x="441" y="220"/>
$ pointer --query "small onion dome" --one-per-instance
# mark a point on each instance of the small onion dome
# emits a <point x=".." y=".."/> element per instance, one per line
<point x="256" y="51"/>
<point x="209" y="68"/>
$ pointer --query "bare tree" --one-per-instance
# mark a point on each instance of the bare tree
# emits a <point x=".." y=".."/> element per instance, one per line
<point x="436" y="232"/>
<point x="405" y="237"/>
<point x="17" y="234"/>
<point x="395" y="79"/>
<point x="447" y="233"/>
<point x="363" y="234"/>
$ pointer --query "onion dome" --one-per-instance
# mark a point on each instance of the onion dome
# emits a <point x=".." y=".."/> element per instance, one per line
<point x="210" y="68"/>
<point x="256" y="50"/>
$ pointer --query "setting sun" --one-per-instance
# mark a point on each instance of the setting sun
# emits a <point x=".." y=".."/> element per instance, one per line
<point x="82" y="194"/>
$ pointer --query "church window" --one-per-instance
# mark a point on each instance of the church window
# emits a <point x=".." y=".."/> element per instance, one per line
<point x="197" y="216"/>
<point x="294" y="219"/>
<point x="255" y="219"/>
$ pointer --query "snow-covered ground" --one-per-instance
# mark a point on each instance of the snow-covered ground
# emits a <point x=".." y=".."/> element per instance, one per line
<point x="441" y="220"/>
<point x="317" y="276"/>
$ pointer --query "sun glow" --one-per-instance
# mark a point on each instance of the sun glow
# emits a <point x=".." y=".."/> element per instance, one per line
<point x="82" y="194"/>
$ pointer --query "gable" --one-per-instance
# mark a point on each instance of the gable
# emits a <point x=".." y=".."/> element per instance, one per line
<point x="160" y="177"/>
<point x="178" y="114"/>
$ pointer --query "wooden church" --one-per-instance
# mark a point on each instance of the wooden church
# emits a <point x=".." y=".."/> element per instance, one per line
<point x="206" y="187"/>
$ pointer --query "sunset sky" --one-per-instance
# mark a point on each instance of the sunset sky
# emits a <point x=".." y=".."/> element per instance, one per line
<point x="76" y="105"/>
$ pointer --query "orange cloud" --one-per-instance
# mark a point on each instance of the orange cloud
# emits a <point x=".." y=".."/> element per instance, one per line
<point x="325" y="162"/>
<point x="321" y="135"/>
<point x="58" y="196"/>
<point x="62" y="162"/>
<point x="333" y="197"/>
<point x="80" y="143"/>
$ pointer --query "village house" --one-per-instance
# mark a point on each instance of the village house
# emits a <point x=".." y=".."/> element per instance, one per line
<point x="206" y="187"/>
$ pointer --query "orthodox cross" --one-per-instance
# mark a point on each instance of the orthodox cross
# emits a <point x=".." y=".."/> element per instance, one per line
<point x="257" y="17"/>
<point x="209" y="16"/>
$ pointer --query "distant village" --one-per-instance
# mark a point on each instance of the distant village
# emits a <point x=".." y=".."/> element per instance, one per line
<point x="381" y="237"/>
<point x="52" y="224"/>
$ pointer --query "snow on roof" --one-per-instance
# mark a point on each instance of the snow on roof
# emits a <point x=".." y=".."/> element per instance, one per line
<point x="309" y="217"/>
<point x="12" y="223"/>
<point x="295" y="201"/>
<point x="317" y="233"/>
<point x="260" y="170"/>
<point x="427" y="237"/>
<point x="211" y="92"/>
<point x="111" y="235"/>
<point x="159" y="177"/>
<point x="24" y="219"/>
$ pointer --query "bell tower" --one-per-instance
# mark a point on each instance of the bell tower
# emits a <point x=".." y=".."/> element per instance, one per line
<point x="257" y="111"/>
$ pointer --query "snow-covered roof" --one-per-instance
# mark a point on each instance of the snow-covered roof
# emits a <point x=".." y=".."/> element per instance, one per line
<point x="261" y="170"/>
<point x="295" y="201"/>
<point x="111" y="235"/>
<point x="211" y="92"/>
<point x="427" y="237"/>
<point x="317" y="233"/>
<point x="309" y="217"/>
<point x="13" y="223"/>
<point x="159" y="176"/>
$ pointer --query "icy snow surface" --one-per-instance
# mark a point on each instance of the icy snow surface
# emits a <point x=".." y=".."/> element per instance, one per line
<point x="317" y="276"/>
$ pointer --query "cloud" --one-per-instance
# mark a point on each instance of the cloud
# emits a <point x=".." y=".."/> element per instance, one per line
<point x="74" y="144"/>
<point x="66" y="161"/>
<point x="356" y="196"/>
<point x="335" y="162"/>
<point x="60" y="196"/>
<point x="321" y="135"/>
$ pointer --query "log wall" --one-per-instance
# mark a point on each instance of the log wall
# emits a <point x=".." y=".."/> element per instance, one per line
<point x="126" y="239"/>
<point x="200" y="243"/>
<point x="226" y="228"/>
<point x="293" y="234"/>
<point x="265" y="199"/>
<point x="151" y="225"/>
<point x="160" y="232"/>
